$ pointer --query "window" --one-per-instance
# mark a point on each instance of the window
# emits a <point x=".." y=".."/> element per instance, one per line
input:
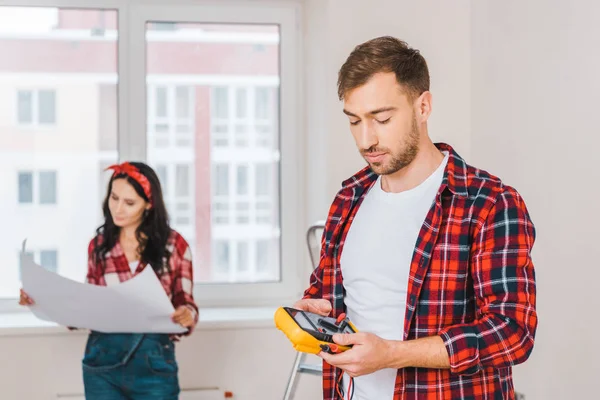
<point x="171" y="117"/>
<point x="262" y="255"/>
<point x="57" y="72"/>
<point x="176" y="181"/>
<point x="192" y="90"/>
<point x="232" y="122"/>
<point x="229" y="106"/>
<point x="25" y="187"/>
<point x="222" y="256"/>
<point x="49" y="260"/>
<point x="46" y="258"/>
<point x="46" y="187"/>
<point x="36" y="107"/>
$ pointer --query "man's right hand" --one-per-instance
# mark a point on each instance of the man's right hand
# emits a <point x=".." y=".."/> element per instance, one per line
<point x="317" y="306"/>
<point x="25" y="300"/>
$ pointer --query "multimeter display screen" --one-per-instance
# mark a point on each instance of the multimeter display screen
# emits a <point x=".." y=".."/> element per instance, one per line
<point x="303" y="321"/>
<point x="314" y="322"/>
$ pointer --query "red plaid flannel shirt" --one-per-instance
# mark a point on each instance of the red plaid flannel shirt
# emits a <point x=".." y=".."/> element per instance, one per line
<point x="178" y="283"/>
<point x="471" y="282"/>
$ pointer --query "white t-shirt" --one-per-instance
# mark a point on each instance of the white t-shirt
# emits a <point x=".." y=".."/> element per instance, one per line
<point x="375" y="265"/>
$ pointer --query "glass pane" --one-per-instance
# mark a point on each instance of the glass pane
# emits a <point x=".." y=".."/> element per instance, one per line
<point x="222" y="256"/>
<point x="263" y="179"/>
<point x="241" y="102"/>
<point x="212" y="120"/>
<point x="49" y="260"/>
<point x="161" y="102"/>
<point x="25" y="187"/>
<point x="222" y="180"/>
<point x="262" y="255"/>
<point x="25" y="107"/>
<point x="161" y="171"/>
<point x="242" y="180"/>
<point x="59" y="79"/>
<point x="183" y="101"/>
<point x="262" y="103"/>
<point x="220" y="104"/>
<point x="47" y="107"/>
<point x="48" y="187"/>
<point x="182" y="181"/>
<point x="242" y="256"/>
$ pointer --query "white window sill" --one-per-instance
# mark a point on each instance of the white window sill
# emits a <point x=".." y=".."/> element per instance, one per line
<point x="25" y="323"/>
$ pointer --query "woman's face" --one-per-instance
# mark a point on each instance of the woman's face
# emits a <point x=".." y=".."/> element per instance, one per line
<point x="125" y="205"/>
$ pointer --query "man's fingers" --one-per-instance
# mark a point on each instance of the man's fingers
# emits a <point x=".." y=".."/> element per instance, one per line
<point x="338" y="360"/>
<point x="346" y="339"/>
<point x="317" y="306"/>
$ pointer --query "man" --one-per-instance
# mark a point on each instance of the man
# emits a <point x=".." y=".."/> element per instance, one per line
<point x="428" y="256"/>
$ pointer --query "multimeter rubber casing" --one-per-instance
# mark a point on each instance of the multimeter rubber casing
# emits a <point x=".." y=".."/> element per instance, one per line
<point x="310" y="332"/>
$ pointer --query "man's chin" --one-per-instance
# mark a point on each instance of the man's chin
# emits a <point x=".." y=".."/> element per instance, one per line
<point x="378" y="168"/>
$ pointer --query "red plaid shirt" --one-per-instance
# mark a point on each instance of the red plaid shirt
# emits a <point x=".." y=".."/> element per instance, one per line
<point x="178" y="282"/>
<point x="471" y="282"/>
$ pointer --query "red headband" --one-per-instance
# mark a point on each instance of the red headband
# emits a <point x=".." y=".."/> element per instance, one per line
<point x="135" y="174"/>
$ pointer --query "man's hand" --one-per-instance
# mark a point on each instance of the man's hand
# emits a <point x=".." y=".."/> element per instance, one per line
<point x="317" y="306"/>
<point x="183" y="316"/>
<point x="368" y="354"/>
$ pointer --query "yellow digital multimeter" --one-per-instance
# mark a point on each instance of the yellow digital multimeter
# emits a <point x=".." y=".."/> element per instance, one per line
<point x="310" y="332"/>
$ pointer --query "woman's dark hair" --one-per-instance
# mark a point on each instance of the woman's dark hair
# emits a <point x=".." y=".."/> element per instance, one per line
<point x="154" y="230"/>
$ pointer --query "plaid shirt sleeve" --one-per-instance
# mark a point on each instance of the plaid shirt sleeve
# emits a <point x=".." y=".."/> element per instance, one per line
<point x="315" y="290"/>
<point x="183" y="278"/>
<point x="504" y="283"/>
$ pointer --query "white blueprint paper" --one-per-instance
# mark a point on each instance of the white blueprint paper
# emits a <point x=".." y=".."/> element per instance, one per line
<point x="139" y="305"/>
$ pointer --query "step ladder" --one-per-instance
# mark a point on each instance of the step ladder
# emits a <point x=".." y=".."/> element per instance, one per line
<point x="313" y="241"/>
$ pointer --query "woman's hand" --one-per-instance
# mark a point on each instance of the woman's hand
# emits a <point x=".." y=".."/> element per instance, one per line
<point x="25" y="300"/>
<point x="184" y="317"/>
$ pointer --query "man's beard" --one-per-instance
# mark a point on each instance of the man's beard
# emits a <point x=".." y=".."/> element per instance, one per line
<point x="398" y="161"/>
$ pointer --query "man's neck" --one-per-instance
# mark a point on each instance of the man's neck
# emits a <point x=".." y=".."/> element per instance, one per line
<point x="428" y="159"/>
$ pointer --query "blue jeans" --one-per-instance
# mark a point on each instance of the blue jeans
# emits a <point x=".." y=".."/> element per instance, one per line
<point x="130" y="367"/>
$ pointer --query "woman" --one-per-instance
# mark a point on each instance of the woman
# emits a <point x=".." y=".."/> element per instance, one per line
<point x="136" y="235"/>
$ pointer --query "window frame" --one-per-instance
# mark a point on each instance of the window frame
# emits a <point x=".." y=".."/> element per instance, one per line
<point x="132" y="121"/>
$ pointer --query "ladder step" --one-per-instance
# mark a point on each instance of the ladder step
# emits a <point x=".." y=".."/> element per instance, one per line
<point x="310" y="369"/>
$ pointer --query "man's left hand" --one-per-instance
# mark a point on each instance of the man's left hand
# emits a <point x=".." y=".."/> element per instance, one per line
<point x="368" y="354"/>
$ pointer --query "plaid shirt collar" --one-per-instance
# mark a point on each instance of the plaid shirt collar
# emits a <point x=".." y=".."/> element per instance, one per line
<point x="455" y="174"/>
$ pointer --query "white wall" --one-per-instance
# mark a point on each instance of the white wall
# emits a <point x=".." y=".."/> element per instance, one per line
<point x="535" y="119"/>
<point x="441" y="30"/>
<point x="253" y="363"/>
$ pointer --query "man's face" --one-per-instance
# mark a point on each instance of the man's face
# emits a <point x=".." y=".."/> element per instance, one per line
<point x="383" y="123"/>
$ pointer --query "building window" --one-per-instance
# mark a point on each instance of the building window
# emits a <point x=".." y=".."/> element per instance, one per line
<point x="176" y="182"/>
<point x="36" y="107"/>
<point x="49" y="260"/>
<point x="46" y="258"/>
<point x="47" y="187"/>
<point x="25" y="187"/>
<point x="244" y="116"/>
<point x="171" y="116"/>
<point x="44" y="181"/>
